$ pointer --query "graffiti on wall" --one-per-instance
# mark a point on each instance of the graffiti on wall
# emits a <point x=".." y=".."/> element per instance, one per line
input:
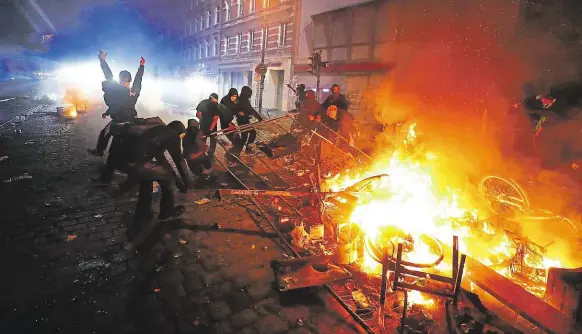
<point x="356" y="99"/>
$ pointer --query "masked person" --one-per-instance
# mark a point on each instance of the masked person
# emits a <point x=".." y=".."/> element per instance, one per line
<point x="208" y="113"/>
<point x="229" y="103"/>
<point x="244" y="113"/>
<point x="135" y="156"/>
<point x="120" y="100"/>
<point x="194" y="148"/>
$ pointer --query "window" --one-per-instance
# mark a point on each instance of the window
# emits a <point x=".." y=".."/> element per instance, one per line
<point x="240" y="7"/>
<point x="200" y="47"/>
<point x="215" y="46"/>
<point x="194" y="53"/>
<point x="282" y="35"/>
<point x="251" y="41"/>
<point x="226" y="10"/>
<point x="225" y="41"/>
<point x="216" y="15"/>
<point x="191" y="4"/>
<point x="194" y="26"/>
<point x="252" y="6"/>
<point x="206" y="49"/>
<point x="238" y="42"/>
<point x="265" y="38"/>
<point x="186" y="25"/>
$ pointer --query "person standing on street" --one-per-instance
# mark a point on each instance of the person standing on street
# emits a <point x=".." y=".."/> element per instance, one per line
<point x="335" y="99"/>
<point x="244" y="113"/>
<point x="120" y="100"/>
<point x="208" y="113"/>
<point x="229" y="103"/>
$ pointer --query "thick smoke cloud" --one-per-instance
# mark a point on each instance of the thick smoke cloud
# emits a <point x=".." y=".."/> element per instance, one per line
<point x="459" y="66"/>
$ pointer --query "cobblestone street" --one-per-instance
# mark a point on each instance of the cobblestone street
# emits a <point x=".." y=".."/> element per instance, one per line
<point x="67" y="267"/>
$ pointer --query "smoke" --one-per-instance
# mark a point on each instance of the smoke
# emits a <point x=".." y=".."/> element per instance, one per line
<point x="459" y="66"/>
<point x="118" y="29"/>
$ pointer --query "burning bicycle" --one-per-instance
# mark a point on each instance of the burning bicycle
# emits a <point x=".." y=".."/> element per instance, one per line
<point x="505" y="197"/>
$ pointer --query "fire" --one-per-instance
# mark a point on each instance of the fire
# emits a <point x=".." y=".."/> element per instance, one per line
<point x="417" y="298"/>
<point x="410" y="200"/>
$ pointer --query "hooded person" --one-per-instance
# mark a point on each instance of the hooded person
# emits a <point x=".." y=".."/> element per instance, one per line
<point x="208" y="111"/>
<point x="244" y="113"/>
<point x="142" y="156"/>
<point x="120" y="100"/>
<point x="194" y="149"/>
<point x="229" y="103"/>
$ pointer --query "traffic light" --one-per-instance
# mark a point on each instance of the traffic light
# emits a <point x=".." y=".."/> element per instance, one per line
<point x="316" y="63"/>
<point x="313" y="66"/>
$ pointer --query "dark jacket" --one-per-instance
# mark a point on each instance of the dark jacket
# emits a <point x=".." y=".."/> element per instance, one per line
<point x="193" y="144"/>
<point x="227" y="113"/>
<point x="339" y="101"/>
<point x="310" y="107"/>
<point x="209" y="110"/>
<point x="120" y="99"/>
<point x="245" y="110"/>
<point x="135" y="151"/>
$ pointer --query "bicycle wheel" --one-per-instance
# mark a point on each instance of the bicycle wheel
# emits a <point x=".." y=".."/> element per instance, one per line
<point x="503" y="196"/>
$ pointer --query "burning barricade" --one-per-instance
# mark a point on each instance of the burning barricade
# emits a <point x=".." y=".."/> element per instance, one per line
<point x="404" y="237"/>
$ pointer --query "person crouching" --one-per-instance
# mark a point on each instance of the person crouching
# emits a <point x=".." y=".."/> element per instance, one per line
<point x="194" y="150"/>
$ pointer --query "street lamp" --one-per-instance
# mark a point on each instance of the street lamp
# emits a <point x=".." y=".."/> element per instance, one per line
<point x="262" y="68"/>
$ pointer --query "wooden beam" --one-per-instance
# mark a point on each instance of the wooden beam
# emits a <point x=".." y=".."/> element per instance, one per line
<point x="530" y="307"/>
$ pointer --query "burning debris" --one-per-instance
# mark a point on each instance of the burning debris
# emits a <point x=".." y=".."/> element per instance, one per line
<point x="391" y="224"/>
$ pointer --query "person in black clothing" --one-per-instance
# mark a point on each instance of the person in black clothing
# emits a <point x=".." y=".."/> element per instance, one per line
<point x="135" y="156"/>
<point x="194" y="149"/>
<point x="229" y="103"/>
<point x="120" y="100"/>
<point x="335" y="99"/>
<point x="208" y="112"/>
<point x="244" y="113"/>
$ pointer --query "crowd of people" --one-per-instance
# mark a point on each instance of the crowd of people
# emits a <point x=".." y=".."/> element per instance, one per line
<point x="333" y="112"/>
<point x="139" y="146"/>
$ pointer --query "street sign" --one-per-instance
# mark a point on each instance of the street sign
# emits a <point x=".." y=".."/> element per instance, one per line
<point x="261" y="69"/>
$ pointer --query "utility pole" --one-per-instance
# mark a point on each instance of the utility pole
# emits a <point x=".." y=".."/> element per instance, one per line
<point x="262" y="68"/>
<point x="316" y="65"/>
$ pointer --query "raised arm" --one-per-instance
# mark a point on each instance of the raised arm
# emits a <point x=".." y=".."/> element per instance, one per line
<point x="104" y="66"/>
<point x="136" y="88"/>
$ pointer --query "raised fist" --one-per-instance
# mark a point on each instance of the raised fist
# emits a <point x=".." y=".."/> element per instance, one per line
<point x="142" y="61"/>
<point x="102" y="55"/>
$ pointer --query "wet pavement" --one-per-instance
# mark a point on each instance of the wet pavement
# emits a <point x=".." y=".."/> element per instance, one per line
<point x="67" y="266"/>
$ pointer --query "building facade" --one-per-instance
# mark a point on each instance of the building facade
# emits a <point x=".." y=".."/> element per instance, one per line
<point x="224" y="41"/>
<point x="350" y="35"/>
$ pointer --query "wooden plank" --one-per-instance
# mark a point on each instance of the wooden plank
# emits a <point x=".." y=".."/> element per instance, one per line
<point x="530" y="307"/>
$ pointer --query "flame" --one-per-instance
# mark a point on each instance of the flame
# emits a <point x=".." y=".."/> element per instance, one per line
<point x="413" y="203"/>
<point x="417" y="298"/>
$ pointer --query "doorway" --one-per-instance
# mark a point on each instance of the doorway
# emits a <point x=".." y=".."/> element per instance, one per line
<point x="278" y="82"/>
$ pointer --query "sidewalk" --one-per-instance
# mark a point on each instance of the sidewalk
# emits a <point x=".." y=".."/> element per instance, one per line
<point x="65" y="268"/>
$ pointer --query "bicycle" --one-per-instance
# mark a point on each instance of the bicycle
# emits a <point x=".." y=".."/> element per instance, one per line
<point x="506" y="197"/>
